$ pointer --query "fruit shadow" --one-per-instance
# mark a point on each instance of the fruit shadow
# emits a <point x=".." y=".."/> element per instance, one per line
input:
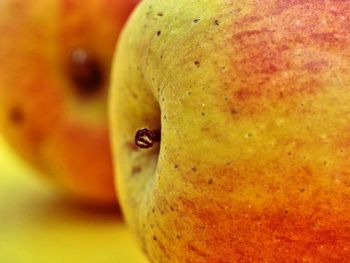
<point x="23" y="204"/>
<point x="63" y="208"/>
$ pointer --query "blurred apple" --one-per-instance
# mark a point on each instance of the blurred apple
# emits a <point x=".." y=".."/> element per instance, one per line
<point x="252" y="102"/>
<point x="54" y="76"/>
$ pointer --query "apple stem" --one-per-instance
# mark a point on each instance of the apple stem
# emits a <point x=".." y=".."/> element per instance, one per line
<point x="145" y="138"/>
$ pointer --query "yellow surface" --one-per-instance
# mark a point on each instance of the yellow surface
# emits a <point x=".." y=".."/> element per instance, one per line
<point x="38" y="226"/>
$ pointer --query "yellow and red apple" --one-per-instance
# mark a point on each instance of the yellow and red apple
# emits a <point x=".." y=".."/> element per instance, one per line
<point x="54" y="77"/>
<point x="252" y="102"/>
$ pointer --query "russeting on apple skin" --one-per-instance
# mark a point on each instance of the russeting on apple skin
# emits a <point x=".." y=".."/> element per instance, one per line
<point x="55" y="60"/>
<point x="252" y="102"/>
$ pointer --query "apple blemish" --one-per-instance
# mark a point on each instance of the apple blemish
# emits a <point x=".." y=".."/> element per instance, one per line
<point x="136" y="170"/>
<point x="16" y="115"/>
<point x="146" y="138"/>
<point x="85" y="72"/>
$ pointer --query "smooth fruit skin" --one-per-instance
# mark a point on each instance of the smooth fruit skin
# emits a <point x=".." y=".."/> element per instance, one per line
<point x="54" y="76"/>
<point x="252" y="98"/>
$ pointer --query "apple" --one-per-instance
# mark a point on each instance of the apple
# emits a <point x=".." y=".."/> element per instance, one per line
<point x="250" y="101"/>
<point x="54" y="77"/>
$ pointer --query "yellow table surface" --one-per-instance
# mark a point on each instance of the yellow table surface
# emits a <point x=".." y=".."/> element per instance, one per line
<point x="38" y="226"/>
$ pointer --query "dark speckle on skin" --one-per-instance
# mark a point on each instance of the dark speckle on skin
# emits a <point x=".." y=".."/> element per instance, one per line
<point x="194" y="169"/>
<point x="155" y="238"/>
<point x="160" y="14"/>
<point x="134" y="95"/>
<point x="197" y="63"/>
<point x="176" y="166"/>
<point x="198" y="252"/>
<point x="234" y="111"/>
<point x="136" y="170"/>
<point x="196" y="20"/>
<point x="216" y="22"/>
<point x="159" y="33"/>
<point x="16" y="115"/>
<point x="210" y="181"/>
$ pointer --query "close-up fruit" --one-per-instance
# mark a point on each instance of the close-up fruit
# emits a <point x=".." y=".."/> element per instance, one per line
<point x="54" y="78"/>
<point x="241" y="114"/>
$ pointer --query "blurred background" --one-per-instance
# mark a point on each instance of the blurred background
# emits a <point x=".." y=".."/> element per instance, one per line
<point x="38" y="225"/>
<point x="54" y="79"/>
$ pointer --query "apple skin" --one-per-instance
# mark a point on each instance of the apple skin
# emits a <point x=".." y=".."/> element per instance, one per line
<point x="54" y="76"/>
<point x="252" y="98"/>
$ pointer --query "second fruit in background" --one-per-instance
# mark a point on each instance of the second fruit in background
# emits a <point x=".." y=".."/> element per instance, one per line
<point x="54" y="75"/>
